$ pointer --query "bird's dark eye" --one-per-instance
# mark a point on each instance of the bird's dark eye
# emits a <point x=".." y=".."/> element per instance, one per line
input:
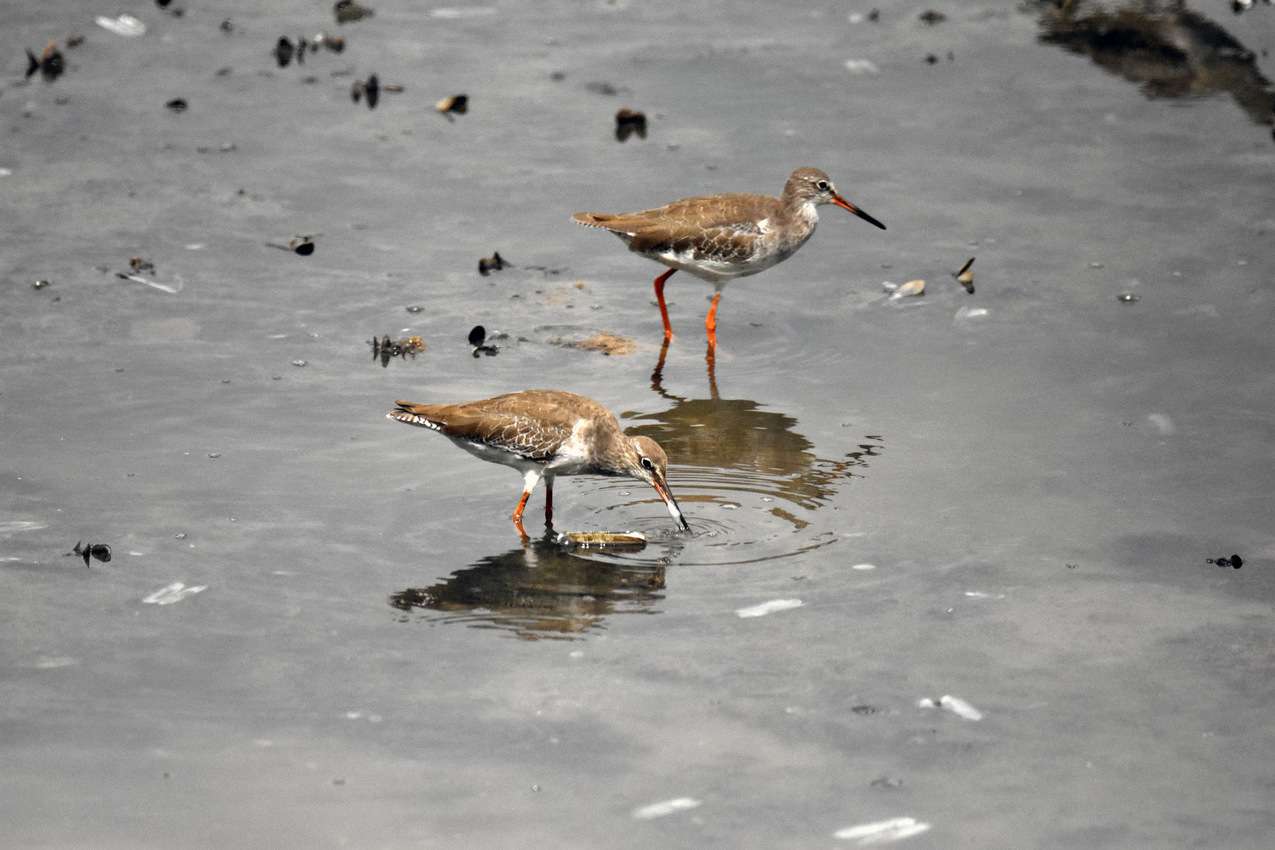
<point x="823" y="185"/>
<point x="647" y="465"/>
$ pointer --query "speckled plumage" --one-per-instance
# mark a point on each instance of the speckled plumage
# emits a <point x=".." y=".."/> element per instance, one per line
<point x="720" y="237"/>
<point x="544" y="433"/>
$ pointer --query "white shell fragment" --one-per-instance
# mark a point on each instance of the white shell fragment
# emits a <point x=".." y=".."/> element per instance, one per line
<point x="769" y="607"/>
<point x="882" y="832"/>
<point x="862" y="67"/>
<point x="125" y="25"/>
<point x="956" y="705"/>
<point x="965" y="314"/>
<point x="175" y="592"/>
<point x="665" y="807"/>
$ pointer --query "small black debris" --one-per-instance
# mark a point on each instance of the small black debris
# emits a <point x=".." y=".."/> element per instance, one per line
<point x="932" y="18"/>
<point x="1234" y="561"/>
<point x="864" y="710"/>
<point x="627" y="122"/>
<point x="140" y="265"/>
<point x="227" y="26"/>
<point x="163" y="4"/>
<point x="602" y="88"/>
<point x="385" y="349"/>
<point x="931" y="59"/>
<point x="283" y="51"/>
<point x="41" y="284"/>
<point x="178" y="104"/>
<point x="477" y="338"/>
<point x="99" y="551"/>
<point x="348" y="10"/>
<point x="369" y="88"/>
<point x="874" y="15"/>
<point x="74" y="41"/>
<point x="49" y="63"/>
<point x="494" y="263"/>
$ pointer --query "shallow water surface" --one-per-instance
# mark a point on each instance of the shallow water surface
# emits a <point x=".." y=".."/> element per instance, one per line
<point x="948" y="584"/>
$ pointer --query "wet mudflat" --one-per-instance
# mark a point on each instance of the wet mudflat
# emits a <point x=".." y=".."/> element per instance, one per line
<point x="949" y="582"/>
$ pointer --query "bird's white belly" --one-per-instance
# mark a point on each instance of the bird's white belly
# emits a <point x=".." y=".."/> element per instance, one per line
<point x="495" y="454"/>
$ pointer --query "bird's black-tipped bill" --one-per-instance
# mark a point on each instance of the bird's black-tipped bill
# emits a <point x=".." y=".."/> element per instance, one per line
<point x="669" y="502"/>
<point x="846" y="205"/>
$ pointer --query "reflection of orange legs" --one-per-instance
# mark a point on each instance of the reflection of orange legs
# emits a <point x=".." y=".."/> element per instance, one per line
<point x="657" y="374"/>
<point x="710" y="321"/>
<point x="548" y="502"/>
<point x="659" y="296"/>
<point x="710" y="357"/>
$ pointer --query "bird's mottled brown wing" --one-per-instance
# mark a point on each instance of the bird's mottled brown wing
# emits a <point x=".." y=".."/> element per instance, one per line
<point x="728" y="222"/>
<point x="532" y="424"/>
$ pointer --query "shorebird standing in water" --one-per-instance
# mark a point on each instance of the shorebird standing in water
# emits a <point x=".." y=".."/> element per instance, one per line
<point x="720" y="237"/>
<point x="542" y="434"/>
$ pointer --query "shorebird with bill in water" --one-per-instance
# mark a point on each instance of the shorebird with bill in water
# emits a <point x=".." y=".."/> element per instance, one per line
<point x="543" y="434"/>
<point x="720" y="237"/>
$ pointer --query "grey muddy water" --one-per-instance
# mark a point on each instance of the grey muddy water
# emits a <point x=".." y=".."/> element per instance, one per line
<point x="949" y="583"/>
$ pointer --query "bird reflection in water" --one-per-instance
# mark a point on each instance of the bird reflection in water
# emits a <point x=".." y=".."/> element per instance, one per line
<point x="538" y="590"/>
<point x="1164" y="46"/>
<point x="734" y="445"/>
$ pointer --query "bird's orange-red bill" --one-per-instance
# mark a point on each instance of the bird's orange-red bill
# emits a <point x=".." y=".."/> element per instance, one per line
<point x="846" y="205"/>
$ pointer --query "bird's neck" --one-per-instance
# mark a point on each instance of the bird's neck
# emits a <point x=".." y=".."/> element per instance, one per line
<point x="799" y="217"/>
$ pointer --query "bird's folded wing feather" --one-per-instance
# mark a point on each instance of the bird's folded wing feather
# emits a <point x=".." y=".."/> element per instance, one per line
<point x="485" y="422"/>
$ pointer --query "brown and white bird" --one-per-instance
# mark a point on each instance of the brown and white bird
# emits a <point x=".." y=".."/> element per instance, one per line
<point x="543" y="434"/>
<point x="720" y="237"/>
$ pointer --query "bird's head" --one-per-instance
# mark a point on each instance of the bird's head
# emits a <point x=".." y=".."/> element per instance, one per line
<point x="810" y="185"/>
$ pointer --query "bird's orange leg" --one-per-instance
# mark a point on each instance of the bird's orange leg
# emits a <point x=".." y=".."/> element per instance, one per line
<point x="659" y="296"/>
<point x="517" y="517"/>
<point x="710" y="321"/>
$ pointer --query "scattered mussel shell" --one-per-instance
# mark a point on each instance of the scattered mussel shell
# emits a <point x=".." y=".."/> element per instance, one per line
<point x="1234" y="561"/>
<point x="965" y="277"/>
<point x="1127" y="298"/>
<point x="369" y="88"/>
<point x="494" y="263"/>
<point x="302" y="245"/>
<point x="49" y="63"/>
<point x="98" y="551"/>
<point x="457" y="104"/>
<point x="608" y="539"/>
<point x="283" y="51"/>
<point x="140" y="265"/>
<point x="335" y="43"/>
<point x="478" y="339"/>
<point x="74" y="41"/>
<point x="177" y="104"/>
<point x="41" y="284"/>
<point x="348" y="10"/>
<point x="906" y="290"/>
<point x="629" y="121"/>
